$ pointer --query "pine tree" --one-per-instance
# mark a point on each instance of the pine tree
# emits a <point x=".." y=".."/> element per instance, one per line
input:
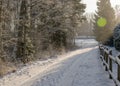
<point x="1" y="44"/>
<point x="24" y="49"/>
<point x="117" y="10"/>
<point x="4" y="31"/>
<point x="107" y="12"/>
<point x="73" y="12"/>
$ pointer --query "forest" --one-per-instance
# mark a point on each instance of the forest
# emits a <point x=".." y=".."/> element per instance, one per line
<point x="35" y="29"/>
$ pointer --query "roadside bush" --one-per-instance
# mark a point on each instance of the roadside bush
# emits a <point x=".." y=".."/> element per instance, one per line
<point x="6" y="68"/>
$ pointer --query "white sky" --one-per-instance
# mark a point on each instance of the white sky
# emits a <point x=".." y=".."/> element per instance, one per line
<point x="91" y="4"/>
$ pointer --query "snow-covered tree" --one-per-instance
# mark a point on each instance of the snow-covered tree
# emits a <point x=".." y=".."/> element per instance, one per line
<point x="107" y="12"/>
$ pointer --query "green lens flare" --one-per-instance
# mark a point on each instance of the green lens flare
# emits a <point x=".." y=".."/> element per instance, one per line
<point x="101" y="22"/>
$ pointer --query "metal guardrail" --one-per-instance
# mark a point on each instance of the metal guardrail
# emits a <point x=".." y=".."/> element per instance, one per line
<point x="108" y="59"/>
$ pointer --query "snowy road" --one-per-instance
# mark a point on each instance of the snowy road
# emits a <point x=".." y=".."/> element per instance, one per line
<point x="80" y="68"/>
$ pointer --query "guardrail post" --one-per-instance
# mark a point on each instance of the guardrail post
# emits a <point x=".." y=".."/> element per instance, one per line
<point x="110" y="64"/>
<point x="119" y="70"/>
<point x="100" y="50"/>
<point x="104" y="56"/>
<point x="106" y="59"/>
<point x="103" y="53"/>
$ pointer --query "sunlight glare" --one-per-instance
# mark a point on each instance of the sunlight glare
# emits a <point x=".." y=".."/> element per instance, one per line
<point x="91" y="4"/>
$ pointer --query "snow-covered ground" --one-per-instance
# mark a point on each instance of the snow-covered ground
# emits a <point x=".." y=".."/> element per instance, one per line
<point x="81" y="67"/>
<point x="85" y="43"/>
